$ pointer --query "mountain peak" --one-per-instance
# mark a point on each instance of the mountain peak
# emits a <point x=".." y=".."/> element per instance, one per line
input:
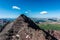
<point x="24" y="28"/>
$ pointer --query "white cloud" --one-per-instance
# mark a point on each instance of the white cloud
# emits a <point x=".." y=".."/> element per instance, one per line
<point x="16" y="7"/>
<point x="43" y="12"/>
<point x="26" y="12"/>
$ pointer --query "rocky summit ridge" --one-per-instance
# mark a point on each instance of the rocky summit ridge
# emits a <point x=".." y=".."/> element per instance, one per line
<point x="23" y="28"/>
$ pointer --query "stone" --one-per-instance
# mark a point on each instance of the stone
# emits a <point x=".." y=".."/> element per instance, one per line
<point x="25" y="29"/>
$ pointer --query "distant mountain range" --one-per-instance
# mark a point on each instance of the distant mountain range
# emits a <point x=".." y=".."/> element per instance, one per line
<point x="35" y="19"/>
<point x="8" y="19"/>
<point x="45" y="19"/>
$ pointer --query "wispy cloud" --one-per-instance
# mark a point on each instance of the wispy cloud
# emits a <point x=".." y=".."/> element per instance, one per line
<point x="43" y="12"/>
<point x="16" y="7"/>
<point x="26" y="12"/>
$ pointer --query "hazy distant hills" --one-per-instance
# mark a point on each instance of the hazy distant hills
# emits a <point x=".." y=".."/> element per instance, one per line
<point x="8" y="19"/>
<point x="45" y="19"/>
<point x="35" y="19"/>
<point x="3" y="21"/>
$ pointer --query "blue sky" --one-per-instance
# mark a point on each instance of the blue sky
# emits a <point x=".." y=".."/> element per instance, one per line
<point x="31" y="8"/>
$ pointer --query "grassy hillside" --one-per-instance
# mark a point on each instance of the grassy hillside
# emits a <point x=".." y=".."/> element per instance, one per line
<point x="50" y="26"/>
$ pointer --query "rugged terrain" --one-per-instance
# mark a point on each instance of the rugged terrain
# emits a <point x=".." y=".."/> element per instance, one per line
<point x="23" y="28"/>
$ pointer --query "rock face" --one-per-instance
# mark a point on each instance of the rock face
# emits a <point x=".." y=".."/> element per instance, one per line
<point x="24" y="28"/>
<point x="55" y="33"/>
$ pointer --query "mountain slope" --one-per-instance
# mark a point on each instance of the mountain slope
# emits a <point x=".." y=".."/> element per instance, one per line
<point x="24" y="28"/>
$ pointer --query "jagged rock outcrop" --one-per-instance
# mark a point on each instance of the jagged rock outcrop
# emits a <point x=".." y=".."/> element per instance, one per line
<point x="55" y="33"/>
<point x="24" y="28"/>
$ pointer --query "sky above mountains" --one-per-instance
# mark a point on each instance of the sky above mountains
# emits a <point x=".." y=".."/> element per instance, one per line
<point x="31" y="8"/>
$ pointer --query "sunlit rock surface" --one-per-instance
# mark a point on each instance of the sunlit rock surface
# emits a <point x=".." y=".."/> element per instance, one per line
<point x="23" y="28"/>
